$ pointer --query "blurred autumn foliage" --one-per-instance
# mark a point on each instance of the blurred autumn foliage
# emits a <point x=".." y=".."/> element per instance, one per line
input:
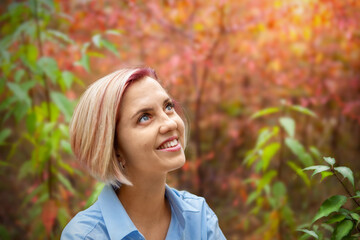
<point x="224" y="61"/>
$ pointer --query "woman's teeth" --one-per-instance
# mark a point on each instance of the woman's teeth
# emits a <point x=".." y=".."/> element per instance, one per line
<point x="172" y="143"/>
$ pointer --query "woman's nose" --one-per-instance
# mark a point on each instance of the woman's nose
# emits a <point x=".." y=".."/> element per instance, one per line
<point x="167" y="124"/>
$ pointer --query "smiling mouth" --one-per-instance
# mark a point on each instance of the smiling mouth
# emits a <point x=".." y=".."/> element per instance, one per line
<point x="169" y="144"/>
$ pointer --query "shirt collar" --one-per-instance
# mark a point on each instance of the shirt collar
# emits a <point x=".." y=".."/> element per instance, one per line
<point x="177" y="201"/>
<point x="179" y="205"/>
<point x="117" y="221"/>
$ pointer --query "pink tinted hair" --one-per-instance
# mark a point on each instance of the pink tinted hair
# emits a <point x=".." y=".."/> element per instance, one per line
<point x="93" y="125"/>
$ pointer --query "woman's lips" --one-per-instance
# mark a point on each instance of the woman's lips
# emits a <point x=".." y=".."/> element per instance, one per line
<point x="175" y="148"/>
<point x="169" y="142"/>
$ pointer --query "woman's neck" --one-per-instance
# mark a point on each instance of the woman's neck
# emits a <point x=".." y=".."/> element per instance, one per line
<point x="146" y="205"/>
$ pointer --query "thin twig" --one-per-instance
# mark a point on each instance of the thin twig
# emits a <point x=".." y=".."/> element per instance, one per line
<point x="47" y="89"/>
<point x="348" y="192"/>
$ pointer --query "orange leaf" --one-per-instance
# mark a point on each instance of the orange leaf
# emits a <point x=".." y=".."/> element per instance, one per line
<point x="48" y="215"/>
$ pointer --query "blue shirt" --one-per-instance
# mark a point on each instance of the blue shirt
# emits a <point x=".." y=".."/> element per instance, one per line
<point x="191" y="218"/>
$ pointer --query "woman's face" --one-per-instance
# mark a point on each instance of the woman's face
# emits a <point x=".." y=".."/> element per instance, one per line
<point x="150" y="133"/>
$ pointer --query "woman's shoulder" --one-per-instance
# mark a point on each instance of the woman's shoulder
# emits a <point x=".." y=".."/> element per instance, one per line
<point x="85" y="224"/>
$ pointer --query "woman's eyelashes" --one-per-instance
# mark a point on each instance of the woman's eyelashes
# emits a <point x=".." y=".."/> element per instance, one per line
<point x="169" y="106"/>
<point x="144" y="117"/>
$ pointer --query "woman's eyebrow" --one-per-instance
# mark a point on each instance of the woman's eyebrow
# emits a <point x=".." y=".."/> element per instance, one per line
<point x="142" y="111"/>
<point x="149" y="109"/>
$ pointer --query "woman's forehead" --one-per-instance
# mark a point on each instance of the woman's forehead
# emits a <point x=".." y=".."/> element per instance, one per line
<point x="143" y="91"/>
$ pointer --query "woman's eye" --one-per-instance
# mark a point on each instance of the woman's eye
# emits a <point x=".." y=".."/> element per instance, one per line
<point x="144" y="118"/>
<point x="169" y="106"/>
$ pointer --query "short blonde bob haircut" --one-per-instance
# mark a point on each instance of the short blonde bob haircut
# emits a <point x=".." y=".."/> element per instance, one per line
<point x="93" y="126"/>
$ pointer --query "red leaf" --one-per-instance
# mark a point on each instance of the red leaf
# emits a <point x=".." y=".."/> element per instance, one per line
<point x="186" y="166"/>
<point x="48" y="215"/>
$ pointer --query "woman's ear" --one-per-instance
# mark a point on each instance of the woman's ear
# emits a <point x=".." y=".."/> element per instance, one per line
<point x="120" y="159"/>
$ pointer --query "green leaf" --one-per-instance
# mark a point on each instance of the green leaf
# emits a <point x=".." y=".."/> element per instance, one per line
<point x="7" y="102"/>
<point x="68" y="78"/>
<point x="64" y="130"/>
<point x="342" y="230"/>
<point x="19" y="74"/>
<point x="2" y="84"/>
<point x="345" y="211"/>
<point x="250" y="158"/>
<point x="315" y="152"/>
<point x="84" y="62"/>
<point x="4" y="233"/>
<point x="31" y="54"/>
<point x="55" y="141"/>
<point x="264" y="112"/>
<point x="279" y="190"/>
<point x="85" y="47"/>
<point x="317" y="168"/>
<point x="268" y="153"/>
<point x="18" y="91"/>
<point x="265" y="180"/>
<point x="96" y="39"/>
<point x="347" y="173"/>
<point x="303" y="110"/>
<point x="50" y="68"/>
<point x="265" y="135"/>
<point x="66" y="167"/>
<point x="287" y="215"/>
<point x="50" y="4"/>
<point x="65" y="182"/>
<point x="299" y="172"/>
<point x="20" y="110"/>
<point x="31" y="122"/>
<point x="298" y="150"/>
<point x="258" y="166"/>
<point x="311" y="233"/>
<point x="61" y="36"/>
<point x="232" y="108"/>
<point x="25" y="170"/>
<point x="355" y="236"/>
<point x="95" y="54"/>
<point x="336" y="218"/>
<point x="325" y="175"/>
<point x="327" y="227"/>
<point x="66" y="146"/>
<point x="110" y="46"/>
<point x="355" y="216"/>
<point x="330" y="160"/>
<point x="116" y="32"/>
<point x="330" y="205"/>
<point x="65" y="106"/>
<point x="63" y="217"/>
<point x="4" y="164"/>
<point x="357" y="194"/>
<point x="4" y="134"/>
<point x="289" y="125"/>
<point x="251" y="197"/>
<point x="96" y="192"/>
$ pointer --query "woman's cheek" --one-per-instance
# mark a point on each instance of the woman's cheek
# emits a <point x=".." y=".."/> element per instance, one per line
<point x="181" y="126"/>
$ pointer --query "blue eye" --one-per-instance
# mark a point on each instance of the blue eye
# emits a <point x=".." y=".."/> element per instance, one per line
<point x="144" y="118"/>
<point x="170" y="106"/>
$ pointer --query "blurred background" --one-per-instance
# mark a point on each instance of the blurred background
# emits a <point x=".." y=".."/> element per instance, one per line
<point x="269" y="87"/>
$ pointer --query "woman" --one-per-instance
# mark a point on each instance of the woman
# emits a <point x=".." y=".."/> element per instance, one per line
<point x="128" y="134"/>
